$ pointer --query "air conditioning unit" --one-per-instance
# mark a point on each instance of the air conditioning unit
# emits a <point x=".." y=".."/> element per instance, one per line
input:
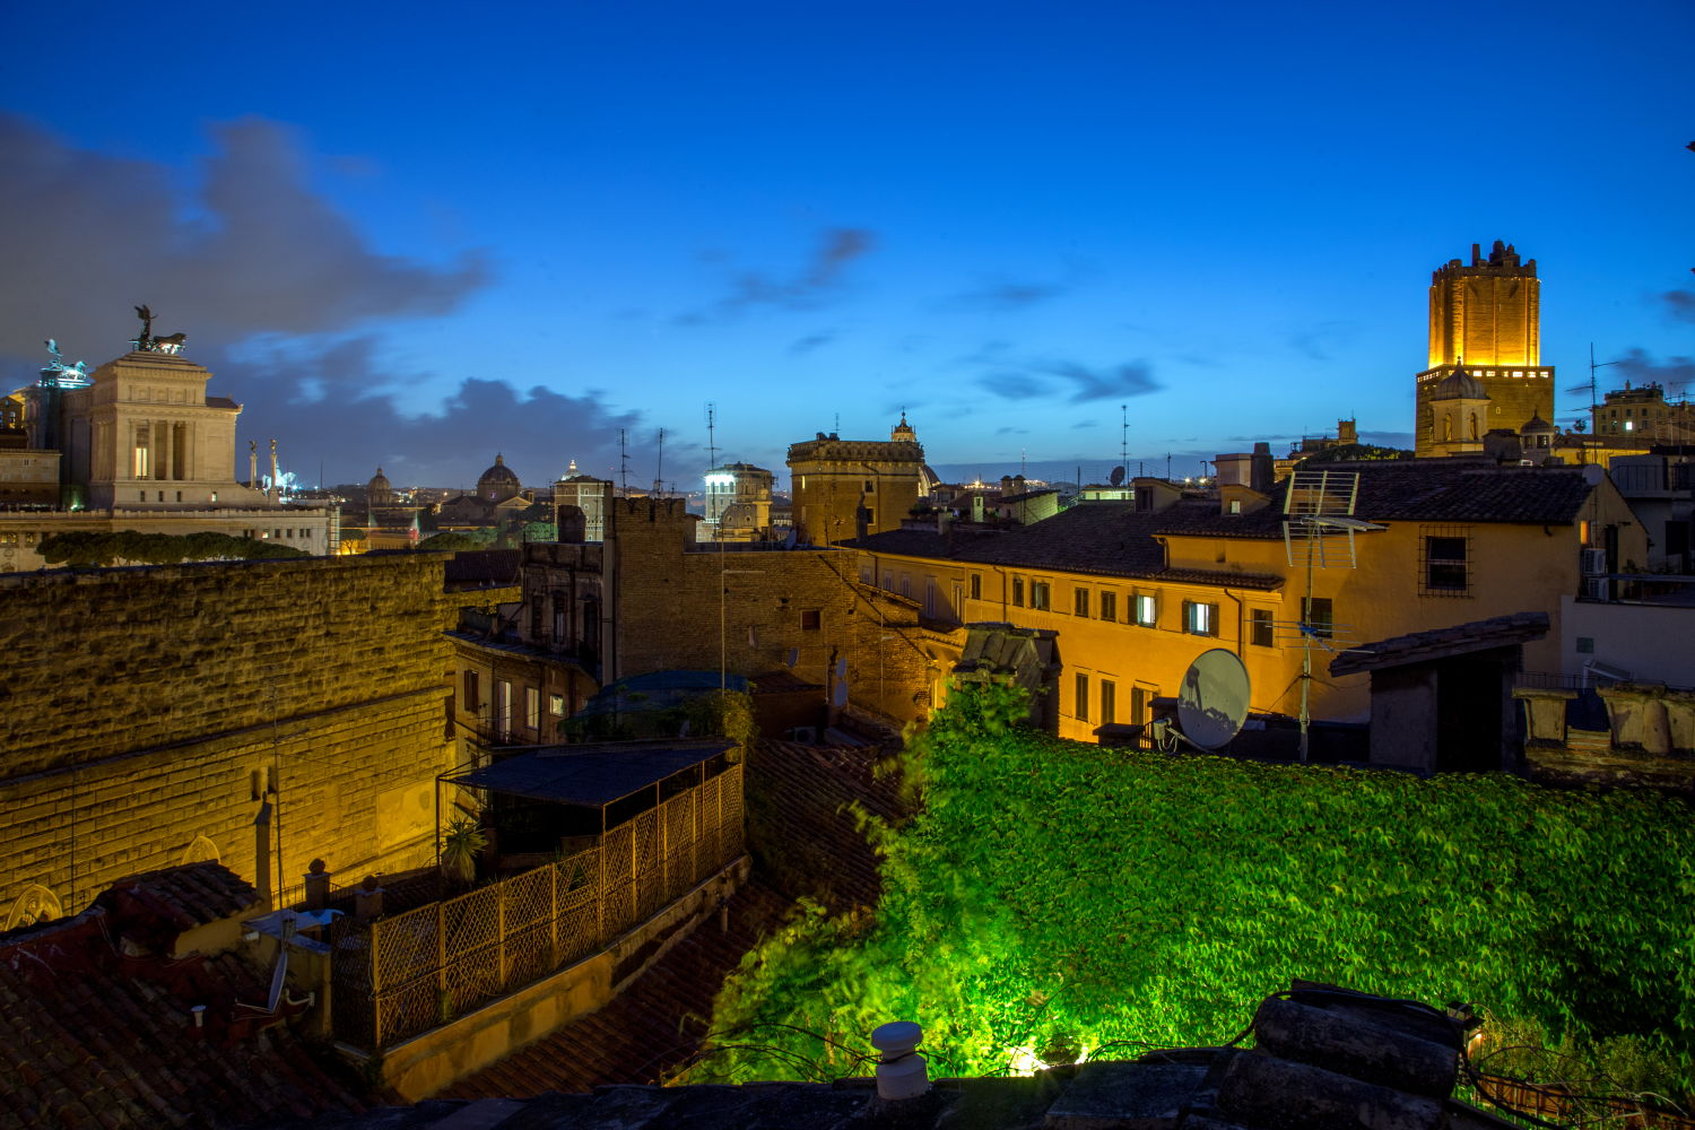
<point x="1594" y="562"/>
<point x="1595" y="588"/>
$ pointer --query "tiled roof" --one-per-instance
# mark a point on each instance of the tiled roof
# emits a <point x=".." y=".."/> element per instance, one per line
<point x="91" y="1039"/>
<point x="185" y="897"/>
<point x="1111" y="539"/>
<point x="1439" y="643"/>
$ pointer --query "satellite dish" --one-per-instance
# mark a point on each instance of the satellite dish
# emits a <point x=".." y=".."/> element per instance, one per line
<point x="1214" y="699"/>
<point x="1117" y="477"/>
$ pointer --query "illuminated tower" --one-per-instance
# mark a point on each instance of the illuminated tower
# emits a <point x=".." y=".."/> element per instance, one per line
<point x="1487" y="316"/>
<point x="847" y="488"/>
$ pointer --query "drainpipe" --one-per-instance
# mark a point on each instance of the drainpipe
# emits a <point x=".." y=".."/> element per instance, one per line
<point x="1240" y="609"/>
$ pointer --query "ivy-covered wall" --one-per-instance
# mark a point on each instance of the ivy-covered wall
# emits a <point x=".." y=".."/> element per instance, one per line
<point x="1054" y="897"/>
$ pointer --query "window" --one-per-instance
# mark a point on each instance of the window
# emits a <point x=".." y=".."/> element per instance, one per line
<point x="811" y="619"/>
<point x="1445" y="565"/>
<point x="1147" y="611"/>
<point x="1018" y="592"/>
<point x="906" y="585"/>
<point x="1081" y="707"/>
<point x="870" y="516"/>
<point x="532" y="708"/>
<point x="1140" y="697"/>
<point x="556" y="705"/>
<point x="473" y="697"/>
<point x="1261" y="632"/>
<point x="1039" y="594"/>
<point x="958" y="600"/>
<point x="1316" y="615"/>
<point x="1080" y="601"/>
<point x="1200" y="619"/>
<point x="503" y="707"/>
<point x="976" y="586"/>
<point x="1109" y="700"/>
<point x="888" y="582"/>
<point x="1109" y="606"/>
<point x="870" y="486"/>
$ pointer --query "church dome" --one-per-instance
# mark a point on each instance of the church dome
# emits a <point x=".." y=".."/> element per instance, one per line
<point x="498" y="483"/>
<point x="378" y="490"/>
<point x="1537" y="426"/>
<point x="1459" y="385"/>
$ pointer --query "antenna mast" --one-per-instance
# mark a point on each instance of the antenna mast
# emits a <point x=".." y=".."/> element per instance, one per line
<point x="1123" y="435"/>
<point x="659" y="467"/>
<point x="623" y="465"/>
<point x="711" y="435"/>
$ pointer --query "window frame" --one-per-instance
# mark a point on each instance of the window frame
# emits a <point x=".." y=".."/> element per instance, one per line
<point x="1200" y="618"/>
<point x="1107" y="606"/>
<point x="1145" y="603"/>
<point x="1437" y="559"/>
<point x="1041" y="596"/>
<point x="1080" y="697"/>
<point x="1080" y="602"/>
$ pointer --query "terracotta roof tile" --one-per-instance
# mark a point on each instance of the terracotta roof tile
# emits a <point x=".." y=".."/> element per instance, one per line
<point x="191" y="895"/>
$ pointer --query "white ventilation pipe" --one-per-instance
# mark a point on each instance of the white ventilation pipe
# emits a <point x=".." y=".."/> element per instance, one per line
<point x="900" y="1069"/>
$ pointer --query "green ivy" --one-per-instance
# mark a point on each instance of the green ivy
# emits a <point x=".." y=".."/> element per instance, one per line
<point x="1053" y="896"/>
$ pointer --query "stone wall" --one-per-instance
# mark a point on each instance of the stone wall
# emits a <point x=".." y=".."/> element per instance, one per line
<point x="152" y="716"/>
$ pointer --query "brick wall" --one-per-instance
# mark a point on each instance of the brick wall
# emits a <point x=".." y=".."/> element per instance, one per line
<point x="149" y="715"/>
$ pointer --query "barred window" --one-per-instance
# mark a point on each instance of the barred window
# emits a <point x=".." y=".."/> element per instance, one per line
<point x="1445" y="565"/>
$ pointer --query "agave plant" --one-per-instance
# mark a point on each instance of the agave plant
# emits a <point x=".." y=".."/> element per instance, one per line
<point x="461" y="845"/>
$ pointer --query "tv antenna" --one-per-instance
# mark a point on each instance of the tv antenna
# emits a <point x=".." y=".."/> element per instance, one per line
<point x="1123" y="436"/>
<point x="1592" y="385"/>
<point x="1214" y="700"/>
<point x="1318" y="533"/>
<point x="711" y="435"/>
<point x="659" y="468"/>
<point x="623" y="464"/>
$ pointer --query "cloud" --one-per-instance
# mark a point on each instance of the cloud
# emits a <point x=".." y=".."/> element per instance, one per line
<point x="808" y="289"/>
<point x="1001" y="297"/>
<point x="253" y="250"/>
<point x="1681" y="304"/>
<point x="801" y="346"/>
<point x="1320" y="341"/>
<point x="1075" y="382"/>
<point x="1674" y="373"/>
<point x="538" y="430"/>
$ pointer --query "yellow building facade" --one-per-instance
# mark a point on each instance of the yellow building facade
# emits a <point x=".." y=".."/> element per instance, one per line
<point x="1135" y="596"/>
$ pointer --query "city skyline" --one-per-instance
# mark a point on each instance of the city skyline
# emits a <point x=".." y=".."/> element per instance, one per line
<point x="419" y="243"/>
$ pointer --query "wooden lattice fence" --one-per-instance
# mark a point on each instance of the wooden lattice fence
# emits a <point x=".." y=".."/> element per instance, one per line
<point x="397" y="976"/>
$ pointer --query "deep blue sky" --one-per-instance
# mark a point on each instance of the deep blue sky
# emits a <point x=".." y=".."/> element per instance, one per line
<point x="418" y="234"/>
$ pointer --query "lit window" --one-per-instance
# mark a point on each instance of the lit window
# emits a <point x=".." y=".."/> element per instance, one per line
<point x="1200" y="619"/>
<point x="556" y="705"/>
<point x="1039" y="594"/>
<point x="1147" y="611"/>
<point x="532" y="708"/>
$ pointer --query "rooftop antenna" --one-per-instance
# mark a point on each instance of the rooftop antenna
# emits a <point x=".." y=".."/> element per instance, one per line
<point x="711" y="435"/>
<point x="659" y="468"/>
<point x="1318" y="533"/>
<point x="1592" y="384"/>
<point x="1123" y="435"/>
<point x="623" y="465"/>
<point x="837" y="428"/>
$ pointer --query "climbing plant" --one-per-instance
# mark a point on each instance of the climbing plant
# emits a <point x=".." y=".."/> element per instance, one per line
<point x="1053" y="897"/>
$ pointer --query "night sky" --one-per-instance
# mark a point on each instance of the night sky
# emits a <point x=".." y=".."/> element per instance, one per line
<point x="418" y="234"/>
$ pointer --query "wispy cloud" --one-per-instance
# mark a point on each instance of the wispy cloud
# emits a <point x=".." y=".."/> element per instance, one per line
<point x="807" y="289"/>
<point x="804" y="345"/>
<point x="1071" y="381"/>
<point x="1321" y="341"/>
<point x="1674" y="373"/>
<point x="1003" y="297"/>
<point x="1680" y="304"/>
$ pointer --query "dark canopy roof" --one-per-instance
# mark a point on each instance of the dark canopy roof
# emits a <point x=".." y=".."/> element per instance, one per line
<point x="591" y="775"/>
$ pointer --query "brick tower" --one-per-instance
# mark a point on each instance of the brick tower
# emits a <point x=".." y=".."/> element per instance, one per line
<point x="1487" y="316"/>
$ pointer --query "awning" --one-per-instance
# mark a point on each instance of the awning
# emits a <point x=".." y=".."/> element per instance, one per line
<point x="591" y="775"/>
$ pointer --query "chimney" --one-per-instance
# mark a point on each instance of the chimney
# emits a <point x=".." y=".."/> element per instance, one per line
<point x="317" y="886"/>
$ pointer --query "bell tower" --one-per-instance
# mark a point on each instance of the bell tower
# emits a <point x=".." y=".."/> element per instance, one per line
<point x="1487" y="316"/>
